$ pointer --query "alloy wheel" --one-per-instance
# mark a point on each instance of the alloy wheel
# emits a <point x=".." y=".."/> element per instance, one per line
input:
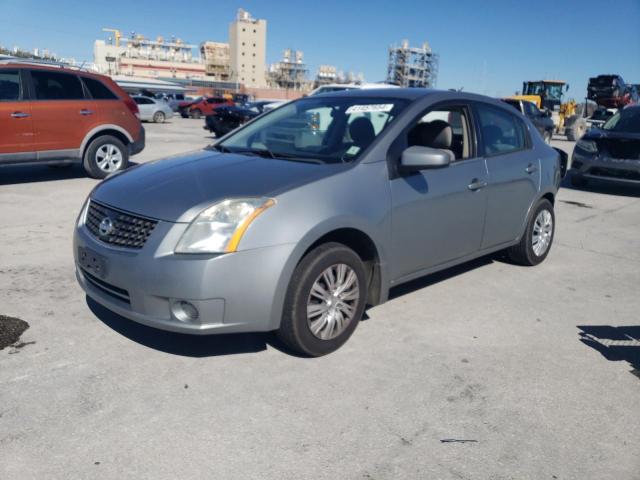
<point x="109" y="158"/>
<point x="542" y="232"/>
<point x="332" y="302"/>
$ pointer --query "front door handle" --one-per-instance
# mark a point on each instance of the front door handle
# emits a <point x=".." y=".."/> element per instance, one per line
<point x="20" y="115"/>
<point x="531" y="168"/>
<point x="476" y="184"/>
<point x="86" y="112"/>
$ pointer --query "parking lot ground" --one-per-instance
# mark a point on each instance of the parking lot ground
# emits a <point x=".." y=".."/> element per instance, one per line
<point x="484" y="371"/>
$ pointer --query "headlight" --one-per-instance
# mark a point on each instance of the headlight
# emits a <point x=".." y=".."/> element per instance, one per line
<point x="219" y="228"/>
<point x="587" y="146"/>
<point x="82" y="216"/>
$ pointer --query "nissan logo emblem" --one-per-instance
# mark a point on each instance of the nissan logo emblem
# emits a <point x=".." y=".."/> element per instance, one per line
<point x="105" y="227"/>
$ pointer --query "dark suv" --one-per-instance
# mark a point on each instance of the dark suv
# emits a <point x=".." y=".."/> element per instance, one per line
<point x="56" y="115"/>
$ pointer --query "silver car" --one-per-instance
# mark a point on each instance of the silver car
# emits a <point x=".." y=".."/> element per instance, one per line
<point x="308" y="214"/>
<point x="152" y="109"/>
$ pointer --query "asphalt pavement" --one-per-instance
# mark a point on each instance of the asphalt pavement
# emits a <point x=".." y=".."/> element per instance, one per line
<point x="483" y="371"/>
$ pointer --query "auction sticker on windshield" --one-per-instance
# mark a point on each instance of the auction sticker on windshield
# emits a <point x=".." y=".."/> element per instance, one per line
<point x="380" y="107"/>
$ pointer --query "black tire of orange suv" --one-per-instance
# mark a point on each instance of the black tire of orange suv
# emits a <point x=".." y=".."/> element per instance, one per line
<point x="105" y="155"/>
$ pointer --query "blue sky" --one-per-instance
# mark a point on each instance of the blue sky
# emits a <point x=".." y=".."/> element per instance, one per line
<point x="484" y="46"/>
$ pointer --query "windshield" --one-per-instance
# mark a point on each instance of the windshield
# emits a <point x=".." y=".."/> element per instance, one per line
<point x="627" y="120"/>
<point x="326" y="130"/>
<point x="551" y="91"/>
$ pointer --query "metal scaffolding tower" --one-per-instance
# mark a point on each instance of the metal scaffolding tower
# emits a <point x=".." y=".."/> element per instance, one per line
<point x="412" y="66"/>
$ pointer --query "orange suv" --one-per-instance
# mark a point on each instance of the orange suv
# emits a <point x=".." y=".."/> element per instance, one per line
<point x="57" y="115"/>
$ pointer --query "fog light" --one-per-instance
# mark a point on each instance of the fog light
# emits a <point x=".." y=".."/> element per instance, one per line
<point x="184" y="311"/>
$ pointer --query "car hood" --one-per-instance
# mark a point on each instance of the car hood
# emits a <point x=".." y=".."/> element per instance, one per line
<point x="179" y="188"/>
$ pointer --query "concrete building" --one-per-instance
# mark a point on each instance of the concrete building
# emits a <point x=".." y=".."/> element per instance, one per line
<point x="141" y="57"/>
<point x="412" y="66"/>
<point x="217" y="60"/>
<point x="247" y="50"/>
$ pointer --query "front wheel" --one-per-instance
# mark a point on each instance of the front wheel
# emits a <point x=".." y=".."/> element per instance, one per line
<point x="325" y="300"/>
<point x="196" y="114"/>
<point x="547" y="137"/>
<point x="105" y="155"/>
<point x="536" y="242"/>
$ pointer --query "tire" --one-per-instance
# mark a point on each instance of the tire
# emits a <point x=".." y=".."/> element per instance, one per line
<point x="114" y="153"/>
<point x="547" y="136"/>
<point x="296" y="329"/>
<point x="576" y="131"/>
<point x="578" y="181"/>
<point x="196" y="114"/>
<point x="524" y="253"/>
<point x="159" y="117"/>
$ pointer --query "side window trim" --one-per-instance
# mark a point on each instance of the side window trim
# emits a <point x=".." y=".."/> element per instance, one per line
<point x="528" y="144"/>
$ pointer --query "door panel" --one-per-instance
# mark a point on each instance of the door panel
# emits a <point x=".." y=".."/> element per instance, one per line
<point x="62" y="124"/>
<point x="514" y="174"/>
<point x="510" y="193"/>
<point x="16" y="122"/>
<point x="436" y="216"/>
<point x="16" y="125"/>
<point x="62" y="116"/>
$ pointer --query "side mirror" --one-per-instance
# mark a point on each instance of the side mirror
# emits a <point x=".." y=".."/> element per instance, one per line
<point x="420" y="158"/>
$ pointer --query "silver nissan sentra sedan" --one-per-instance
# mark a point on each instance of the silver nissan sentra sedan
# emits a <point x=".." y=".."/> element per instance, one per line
<point x="308" y="214"/>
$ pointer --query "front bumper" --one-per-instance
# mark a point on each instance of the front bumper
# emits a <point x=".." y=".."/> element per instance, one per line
<point x="605" y="168"/>
<point x="138" y="145"/>
<point x="236" y="292"/>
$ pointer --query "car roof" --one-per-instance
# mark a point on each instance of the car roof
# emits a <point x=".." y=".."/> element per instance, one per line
<point x="411" y="94"/>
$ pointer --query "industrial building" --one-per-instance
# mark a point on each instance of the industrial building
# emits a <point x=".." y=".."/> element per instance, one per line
<point x="138" y="56"/>
<point x="247" y="50"/>
<point x="217" y="60"/>
<point x="412" y="66"/>
<point x="290" y="72"/>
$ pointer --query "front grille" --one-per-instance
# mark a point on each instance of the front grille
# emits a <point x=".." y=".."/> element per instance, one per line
<point x="615" y="173"/>
<point x="111" y="290"/>
<point x="620" y="147"/>
<point x="127" y="230"/>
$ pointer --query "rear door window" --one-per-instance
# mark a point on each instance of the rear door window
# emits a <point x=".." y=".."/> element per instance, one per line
<point x="10" y="86"/>
<point x="501" y="131"/>
<point x="56" y="86"/>
<point x="98" y="90"/>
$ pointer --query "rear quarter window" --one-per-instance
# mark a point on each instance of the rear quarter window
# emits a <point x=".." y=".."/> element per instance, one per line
<point x="98" y="90"/>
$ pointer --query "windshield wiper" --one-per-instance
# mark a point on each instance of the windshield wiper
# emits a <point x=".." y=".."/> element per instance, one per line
<point x="221" y="148"/>
<point x="266" y="153"/>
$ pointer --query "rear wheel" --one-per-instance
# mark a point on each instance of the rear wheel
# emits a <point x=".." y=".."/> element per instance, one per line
<point x="105" y="155"/>
<point x="536" y="242"/>
<point x="325" y="300"/>
<point x="196" y="113"/>
<point x="159" y="117"/>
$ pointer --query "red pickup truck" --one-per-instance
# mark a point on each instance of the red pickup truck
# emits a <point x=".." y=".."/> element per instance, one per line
<point x="204" y="107"/>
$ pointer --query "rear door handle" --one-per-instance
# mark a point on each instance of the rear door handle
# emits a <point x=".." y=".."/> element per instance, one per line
<point x="476" y="184"/>
<point x="86" y="112"/>
<point x="20" y="115"/>
<point x="531" y="168"/>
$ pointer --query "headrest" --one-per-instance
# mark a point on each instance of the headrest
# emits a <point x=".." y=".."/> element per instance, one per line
<point x="362" y="132"/>
<point x="434" y="134"/>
